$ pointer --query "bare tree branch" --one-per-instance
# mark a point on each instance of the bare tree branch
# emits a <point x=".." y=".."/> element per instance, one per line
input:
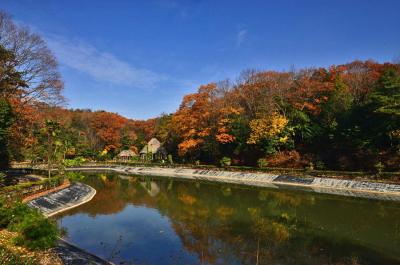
<point x="34" y="60"/>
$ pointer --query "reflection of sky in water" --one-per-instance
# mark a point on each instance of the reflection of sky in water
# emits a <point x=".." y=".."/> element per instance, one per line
<point x="134" y="232"/>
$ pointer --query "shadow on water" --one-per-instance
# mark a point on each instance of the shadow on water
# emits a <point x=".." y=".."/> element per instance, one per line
<point x="143" y="220"/>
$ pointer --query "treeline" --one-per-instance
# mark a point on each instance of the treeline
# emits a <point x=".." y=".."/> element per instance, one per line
<point x="340" y="117"/>
<point x="343" y="117"/>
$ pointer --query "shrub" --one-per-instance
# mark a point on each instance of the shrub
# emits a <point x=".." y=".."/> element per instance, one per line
<point x="135" y="159"/>
<point x="170" y="160"/>
<point x="76" y="162"/>
<point x="149" y="157"/>
<point x="5" y="215"/>
<point x="34" y="230"/>
<point x="37" y="232"/>
<point x="320" y="165"/>
<point x="225" y="161"/>
<point x="74" y="176"/>
<point x="310" y="166"/>
<point x="18" y="212"/>
<point x="262" y="162"/>
<point x="379" y="167"/>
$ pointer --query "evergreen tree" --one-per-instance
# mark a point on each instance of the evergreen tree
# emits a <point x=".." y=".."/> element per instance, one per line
<point x="6" y="119"/>
<point x="10" y="82"/>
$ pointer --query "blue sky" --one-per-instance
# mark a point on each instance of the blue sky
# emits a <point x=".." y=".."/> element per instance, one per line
<point x="139" y="58"/>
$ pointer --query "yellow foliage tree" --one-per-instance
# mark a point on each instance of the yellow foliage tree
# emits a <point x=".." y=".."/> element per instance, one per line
<point x="267" y="127"/>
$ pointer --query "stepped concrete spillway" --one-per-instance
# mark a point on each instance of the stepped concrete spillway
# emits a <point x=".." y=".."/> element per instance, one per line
<point x="354" y="188"/>
<point x="62" y="200"/>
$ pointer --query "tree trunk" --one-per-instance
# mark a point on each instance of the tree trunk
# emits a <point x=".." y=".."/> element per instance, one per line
<point x="49" y="155"/>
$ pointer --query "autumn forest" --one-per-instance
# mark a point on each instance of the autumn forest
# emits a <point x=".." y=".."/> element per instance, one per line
<point x="341" y="117"/>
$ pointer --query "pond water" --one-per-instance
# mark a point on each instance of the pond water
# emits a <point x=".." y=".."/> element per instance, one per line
<point x="144" y="220"/>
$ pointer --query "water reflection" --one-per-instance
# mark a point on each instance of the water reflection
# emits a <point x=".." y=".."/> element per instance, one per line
<point x="137" y="220"/>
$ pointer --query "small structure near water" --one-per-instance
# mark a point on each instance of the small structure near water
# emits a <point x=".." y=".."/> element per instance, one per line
<point x="153" y="150"/>
<point x="126" y="155"/>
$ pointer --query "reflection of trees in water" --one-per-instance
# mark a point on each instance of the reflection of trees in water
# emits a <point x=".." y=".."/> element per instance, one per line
<point x="219" y="230"/>
<point x="225" y="224"/>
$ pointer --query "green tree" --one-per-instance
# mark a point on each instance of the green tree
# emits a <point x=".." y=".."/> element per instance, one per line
<point x="140" y="141"/>
<point x="10" y="82"/>
<point x="51" y="140"/>
<point x="6" y="120"/>
<point x="162" y="127"/>
<point x="384" y="103"/>
<point x="385" y="99"/>
<point x="126" y="141"/>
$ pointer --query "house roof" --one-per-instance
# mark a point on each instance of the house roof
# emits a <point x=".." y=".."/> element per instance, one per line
<point x="127" y="153"/>
<point x="152" y="146"/>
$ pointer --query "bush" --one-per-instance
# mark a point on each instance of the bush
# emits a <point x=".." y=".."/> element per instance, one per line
<point x="320" y="165"/>
<point x="135" y="159"/>
<point x="310" y="166"/>
<point x="18" y="212"/>
<point x="75" y="176"/>
<point x="262" y="162"/>
<point x="5" y="215"/>
<point x="170" y="160"/>
<point x="34" y="230"/>
<point x="225" y="161"/>
<point x="37" y="232"/>
<point x="149" y="157"/>
<point x="379" y="167"/>
<point x="76" y="162"/>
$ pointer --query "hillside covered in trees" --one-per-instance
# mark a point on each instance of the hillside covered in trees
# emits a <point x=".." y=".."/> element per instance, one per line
<point x="341" y="117"/>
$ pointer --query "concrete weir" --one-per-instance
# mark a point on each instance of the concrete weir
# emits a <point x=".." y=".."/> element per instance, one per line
<point x="62" y="200"/>
<point x="365" y="189"/>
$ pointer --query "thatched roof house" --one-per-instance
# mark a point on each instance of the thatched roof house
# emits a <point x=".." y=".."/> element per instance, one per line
<point x="126" y="155"/>
<point x="155" y="148"/>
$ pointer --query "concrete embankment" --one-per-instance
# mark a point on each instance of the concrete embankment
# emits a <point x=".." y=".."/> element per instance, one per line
<point x="72" y="255"/>
<point x="366" y="189"/>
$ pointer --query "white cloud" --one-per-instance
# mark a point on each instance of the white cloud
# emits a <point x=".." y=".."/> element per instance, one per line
<point x="100" y="65"/>
<point x="240" y="37"/>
